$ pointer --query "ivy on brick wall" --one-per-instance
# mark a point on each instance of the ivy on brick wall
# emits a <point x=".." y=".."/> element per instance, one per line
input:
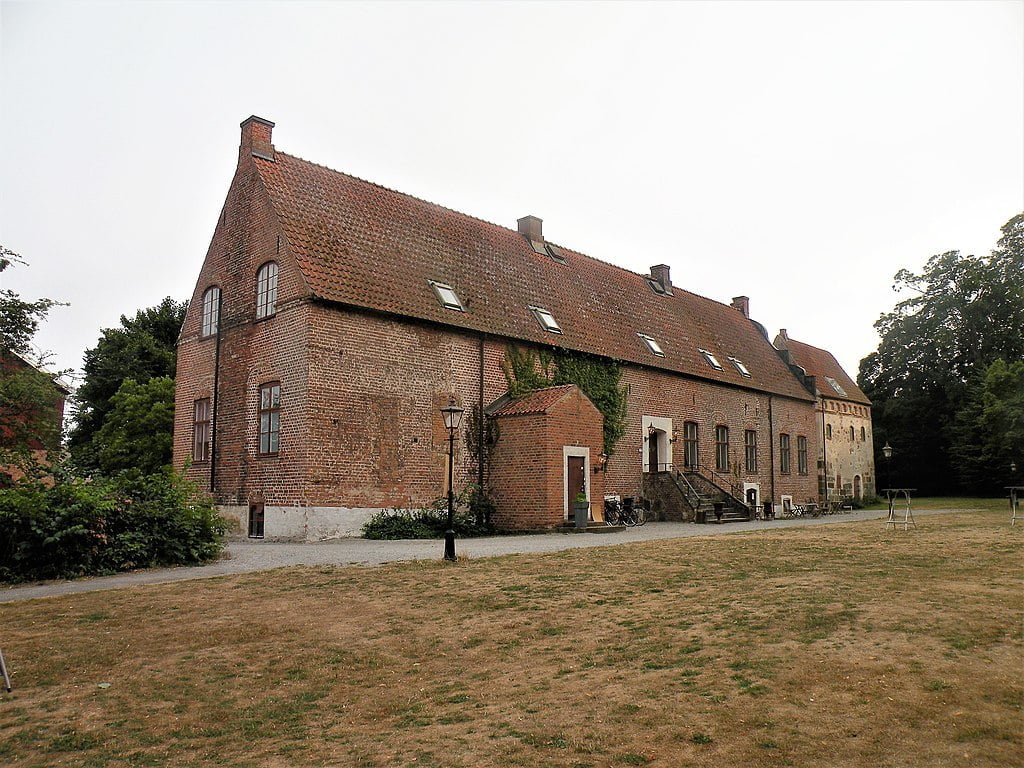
<point x="598" y="378"/>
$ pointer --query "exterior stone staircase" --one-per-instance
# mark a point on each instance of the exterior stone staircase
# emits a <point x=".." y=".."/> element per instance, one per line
<point x="690" y="496"/>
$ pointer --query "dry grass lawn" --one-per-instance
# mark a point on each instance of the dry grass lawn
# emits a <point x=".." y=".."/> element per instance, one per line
<point x="843" y="645"/>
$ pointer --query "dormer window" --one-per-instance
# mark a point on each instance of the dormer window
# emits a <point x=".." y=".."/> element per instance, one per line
<point x="836" y="386"/>
<point x="546" y="320"/>
<point x="711" y="359"/>
<point x="447" y="296"/>
<point x="652" y="344"/>
<point x="740" y="367"/>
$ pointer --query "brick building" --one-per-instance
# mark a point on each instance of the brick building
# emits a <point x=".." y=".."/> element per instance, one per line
<point x="34" y="432"/>
<point x="845" y="447"/>
<point x="333" y="317"/>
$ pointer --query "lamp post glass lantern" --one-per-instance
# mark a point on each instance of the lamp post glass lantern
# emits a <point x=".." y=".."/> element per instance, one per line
<point x="452" y="416"/>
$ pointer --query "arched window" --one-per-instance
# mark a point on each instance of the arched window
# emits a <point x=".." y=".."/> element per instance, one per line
<point x="690" y="445"/>
<point x="828" y="431"/>
<point x="211" y="310"/>
<point x="863" y="434"/>
<point x="853" y="437"/>
<point x="266" y="290"/>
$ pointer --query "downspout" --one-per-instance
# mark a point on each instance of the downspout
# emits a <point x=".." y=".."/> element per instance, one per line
<point x="771" y="449"/>
<point x="213" y="416"/>
<point x="824" y="451"/>
<point x="480" y="424"/>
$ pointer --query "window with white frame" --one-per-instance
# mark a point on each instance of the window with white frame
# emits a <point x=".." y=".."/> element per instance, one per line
<point x="546" y="319"/>
<point x="211" y="310"/>
<point x="447" y="296"/>
<point x="266" y="290"/>
<point x="711" y="359"/>
<point x="652" y="344"/>
<point x="740" y="367"/>
<point x="270" y="417"/>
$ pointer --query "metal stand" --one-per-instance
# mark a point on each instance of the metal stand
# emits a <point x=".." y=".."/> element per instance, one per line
<point x="3" y="668"/>
<point x="908" y="515"/>
<point x="1015" y="493"/>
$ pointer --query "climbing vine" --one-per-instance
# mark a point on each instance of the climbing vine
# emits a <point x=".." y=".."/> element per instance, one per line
<point x="598" y="378"/>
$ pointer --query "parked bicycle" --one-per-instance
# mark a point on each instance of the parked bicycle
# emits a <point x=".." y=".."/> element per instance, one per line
<point x="624" y="512"/>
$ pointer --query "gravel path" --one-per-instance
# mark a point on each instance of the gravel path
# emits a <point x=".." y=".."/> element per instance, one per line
<point x="248" y="555"/>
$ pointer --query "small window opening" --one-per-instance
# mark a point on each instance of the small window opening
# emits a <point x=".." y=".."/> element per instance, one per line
<point x="555" y="253"/>
<point x="740" y="367"/>
<point x="652" y="344"/>
<point x="256" y="521"/>
<point x="712" y="360"/>
<point x="546" y="320"/>
<point x="447" y="296"/>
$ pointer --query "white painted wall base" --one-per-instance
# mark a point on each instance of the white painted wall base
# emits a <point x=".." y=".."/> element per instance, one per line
<point x="306" y="524"/>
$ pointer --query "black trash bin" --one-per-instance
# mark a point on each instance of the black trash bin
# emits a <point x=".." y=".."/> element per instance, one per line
<point x="769" y="513"/>
<point x="719" y="508"/>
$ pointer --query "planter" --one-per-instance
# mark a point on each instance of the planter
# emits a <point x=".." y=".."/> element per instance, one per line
<point x="581" y="513"/>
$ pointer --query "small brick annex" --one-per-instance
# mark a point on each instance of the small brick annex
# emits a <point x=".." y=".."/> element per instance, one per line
<point x="307" y="409"/>
<point x="548" y="449"/>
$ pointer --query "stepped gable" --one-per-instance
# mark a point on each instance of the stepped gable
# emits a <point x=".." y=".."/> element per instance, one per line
<point x="821" y="364"/>
<point x="363" y="245"/>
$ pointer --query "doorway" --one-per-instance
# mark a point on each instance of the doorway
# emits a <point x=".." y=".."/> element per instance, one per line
<point x="576" y="480"/>
<point x="652" y="451"/>
<point x="857" y="489"/>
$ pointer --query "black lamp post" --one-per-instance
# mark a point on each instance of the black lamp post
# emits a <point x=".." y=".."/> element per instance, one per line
<point x="452" y="415"/>
<point x="887" y="452"/>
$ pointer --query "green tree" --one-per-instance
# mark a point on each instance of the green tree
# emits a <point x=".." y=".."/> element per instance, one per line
<point x="936" y="346"/>
<point x="137" y="433"/>
<point x="29" y="398"/>
<point x="142" y="348"/>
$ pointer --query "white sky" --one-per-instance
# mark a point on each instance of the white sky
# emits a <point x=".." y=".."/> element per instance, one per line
<point x="798" y="153"/>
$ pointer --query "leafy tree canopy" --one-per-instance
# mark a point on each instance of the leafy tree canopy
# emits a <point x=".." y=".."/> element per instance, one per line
<point x="926" y="378"/>
<point x="137" y="433"/>
<point x="19" y="320"/>
<point x="142" y="348"/>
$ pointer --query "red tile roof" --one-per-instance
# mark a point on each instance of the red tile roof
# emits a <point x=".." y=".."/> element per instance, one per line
<point x="538" y="401"/>
<point x="363" y="245"/>
<point x="821" y="364"/>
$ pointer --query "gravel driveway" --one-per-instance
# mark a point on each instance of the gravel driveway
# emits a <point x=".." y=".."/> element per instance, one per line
<point x="249" y="555"/>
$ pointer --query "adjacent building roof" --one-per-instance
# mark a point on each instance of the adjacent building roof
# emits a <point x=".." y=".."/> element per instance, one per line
<point x="363" y="245"/>
<point x="538" y="401"/>
<point x="832" y="381"/>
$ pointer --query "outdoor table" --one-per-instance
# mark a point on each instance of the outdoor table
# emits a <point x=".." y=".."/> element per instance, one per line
<point x="908" y="516"/>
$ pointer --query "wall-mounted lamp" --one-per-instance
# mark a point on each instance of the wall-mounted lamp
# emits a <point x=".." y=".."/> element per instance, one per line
<point x="651" y="432"/>
<point x="602" y="463"/>
<point x="675" y="436"/>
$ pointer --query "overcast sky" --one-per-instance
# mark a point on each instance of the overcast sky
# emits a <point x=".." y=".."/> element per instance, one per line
<point x="797" y="153"/>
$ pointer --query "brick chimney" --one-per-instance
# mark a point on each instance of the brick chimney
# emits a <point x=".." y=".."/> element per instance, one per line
<point x="256" y="135"/>
<point x="659" y="274"/>
<point x="532" y="229"/>
<point x="742" y="303"/>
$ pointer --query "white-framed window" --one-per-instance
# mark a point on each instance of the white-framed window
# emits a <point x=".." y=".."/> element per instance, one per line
<point x="740" y="367"/>
<point x="712" y="360"/>
<point x="447" y="296"/>
<point x="270" y="417"/>
<point x="266" y="290"/>
<point x="211" y="310"/>
<point x="652" y="344"/>
<point x="546" y="319"/>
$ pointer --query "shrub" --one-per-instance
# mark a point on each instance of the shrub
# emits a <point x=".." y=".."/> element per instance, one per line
<point x="80" y="527"/>
<point x="428" y="523"/>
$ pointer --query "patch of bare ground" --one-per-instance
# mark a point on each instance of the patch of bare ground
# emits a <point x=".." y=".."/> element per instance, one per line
<point x="843" y="645"/>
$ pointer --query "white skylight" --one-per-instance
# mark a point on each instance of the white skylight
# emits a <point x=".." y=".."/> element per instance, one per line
<point x="546" y="320"/>
<point x="740" y="367"/>
<point x="652" y="344"/>
<point x="835" y="385"/>
<point x="712" y="360"/>
<point x="447" y="296"/>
